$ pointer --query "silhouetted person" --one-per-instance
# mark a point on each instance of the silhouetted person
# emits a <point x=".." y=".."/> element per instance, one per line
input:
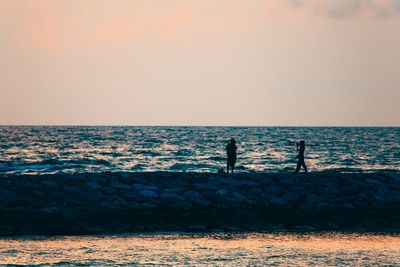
<point x="300" y="147"/>
<point x="231" y="152"/>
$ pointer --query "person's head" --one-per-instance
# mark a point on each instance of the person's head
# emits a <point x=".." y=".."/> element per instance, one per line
<point x="302" y="143"/>
<point x="232" y="141"/>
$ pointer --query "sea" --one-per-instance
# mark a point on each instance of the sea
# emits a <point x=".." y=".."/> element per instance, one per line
<point x="81" y="149"/>
<point x="37" y="150"/>
<point x="177" y="249"/>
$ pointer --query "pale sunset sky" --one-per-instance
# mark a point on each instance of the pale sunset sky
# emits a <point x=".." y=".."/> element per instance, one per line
<point x="200" y="62"/>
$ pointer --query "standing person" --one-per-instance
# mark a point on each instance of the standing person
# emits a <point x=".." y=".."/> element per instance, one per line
<point x="231" y="152"/>
<point x="301" y="147"/>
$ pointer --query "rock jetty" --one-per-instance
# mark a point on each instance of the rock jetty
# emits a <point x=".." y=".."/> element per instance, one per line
<point x="93" y="203"/>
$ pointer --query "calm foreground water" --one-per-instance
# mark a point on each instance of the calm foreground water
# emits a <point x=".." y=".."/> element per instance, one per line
<point x="96" y="149"/>
<point x="210" y="250"/>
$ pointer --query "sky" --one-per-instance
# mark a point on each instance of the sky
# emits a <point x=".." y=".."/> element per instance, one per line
<point x="192" y="62"/>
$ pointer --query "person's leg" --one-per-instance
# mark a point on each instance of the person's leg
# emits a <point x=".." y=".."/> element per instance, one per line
<point x="233" y="164"/>
<point x="298" y="166"/>
<point x="227" y="167"/>
<point x="304" y="166"/>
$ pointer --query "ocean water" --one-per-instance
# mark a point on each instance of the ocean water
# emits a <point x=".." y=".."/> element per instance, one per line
<point x="40" y="150"/>
<point x="204" y="250"/>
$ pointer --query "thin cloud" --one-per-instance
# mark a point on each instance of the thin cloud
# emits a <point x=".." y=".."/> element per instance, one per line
<point x="350" y="8"/>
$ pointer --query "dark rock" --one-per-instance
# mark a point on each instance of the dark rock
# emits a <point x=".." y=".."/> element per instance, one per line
<point x="192" y="195"/>
<point x="198" y="227"/>
<point x="278" y="228"/>
<point x="201" y="202"/>
<point x="49" y="210"/>
<point x="109" y="190"/>
<point x="332" y="226"/>
<point x="196" y="198"/>
<point x="132" y="195"/>
<point x="175" y="190"/>
<point x="242" y="183"/>
<point x="153" y="203"/>
<point x="393" y="198"/>
<point x="177" y="205"/>
<point x="373" y="182"/>
<point x="348" y="206"/>
<point x="207" y="186"/>
<point x="94" y="195"/>
<point x="120" y="186"/>
<point x="141" y="187"/>
<point x="175" y="183"/>
<point x="350" y="189"/>
<point x="324" y="206"/>
<point x="333" y="190"/>
<point x="287" y="181"/>
<point x="149" y="193"/>
<point x="313" y="200"/>
<point x="38" y="194"/>
<point x="71" y="189"/>
<point x="305" y="228"/>
<point x="171" y="197"/>
<point x="274" y="189"/>
<point x="95" y="229"/>
<point x="133" y="205"/>
<point x="50" y="184"/>
<point x="165" y="175"/>
<point x="7" y="231"/>
<point x="277" y="201"/>
<point x="222" y="192"/>
<point x="241" y="198"/>
<point x="93" y="185"/>
<point x="255" y="191"/>
<point x="292" y="196"/>
<point x="112" y="203"/>
<point x="78" y="203"/>
<point x="126" y="177"/>
<point x="55" y="193"/>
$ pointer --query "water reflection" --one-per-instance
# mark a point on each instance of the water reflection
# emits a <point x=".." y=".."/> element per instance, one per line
<point x="216" y="249"/>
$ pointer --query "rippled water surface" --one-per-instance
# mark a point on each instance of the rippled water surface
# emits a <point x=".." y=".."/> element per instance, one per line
<point x="97" y="149"/>
<point x="210" y="250"/>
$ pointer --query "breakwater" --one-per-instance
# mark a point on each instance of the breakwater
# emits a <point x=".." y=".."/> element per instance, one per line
<point x="93" y="203"/>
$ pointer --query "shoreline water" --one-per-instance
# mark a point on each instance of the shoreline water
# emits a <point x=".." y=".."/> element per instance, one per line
<point x="254" y="249"/>
<point x="113" y="203"/>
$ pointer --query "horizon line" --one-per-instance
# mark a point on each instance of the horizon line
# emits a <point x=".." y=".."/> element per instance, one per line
<point x="177" y="125"/>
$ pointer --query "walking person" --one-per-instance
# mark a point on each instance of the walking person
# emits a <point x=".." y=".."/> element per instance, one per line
<point x="301" y="147"/>
<point x="231" y="153"/>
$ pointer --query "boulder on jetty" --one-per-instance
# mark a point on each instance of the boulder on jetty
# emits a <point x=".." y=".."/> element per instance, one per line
<point x="92" y="203"/>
